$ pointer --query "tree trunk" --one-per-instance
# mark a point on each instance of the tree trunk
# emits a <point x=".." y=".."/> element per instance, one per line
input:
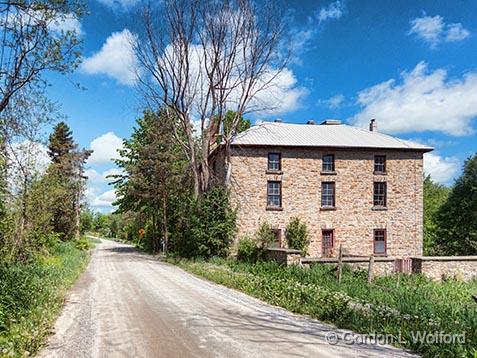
<point x="164" y="225"/>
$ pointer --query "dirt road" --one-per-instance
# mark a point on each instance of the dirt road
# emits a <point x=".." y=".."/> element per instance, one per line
<point x="128" y="304"/>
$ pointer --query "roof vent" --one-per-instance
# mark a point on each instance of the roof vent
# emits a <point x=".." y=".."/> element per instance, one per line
<point x="311" y="121"/>
<point x="278" y="120"/>
<point x="373" y="126"/>
<point x="329" y="122"/>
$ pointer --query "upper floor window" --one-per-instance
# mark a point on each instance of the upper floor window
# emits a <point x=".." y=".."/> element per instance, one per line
<point x="328" y="195"/>
<point x="328" y="163"/>
<point x="274" y="162"/>
<point x="379" y="242"/>
<point x="379" y="195"/>
<point x="380" y="164"/>
<point x="274" y="194"/>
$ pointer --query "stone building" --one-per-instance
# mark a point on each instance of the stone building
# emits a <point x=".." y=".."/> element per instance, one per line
<point x="351" y="186"/>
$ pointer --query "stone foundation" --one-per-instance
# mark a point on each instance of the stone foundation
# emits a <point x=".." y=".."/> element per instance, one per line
<point x="285" y="257"/>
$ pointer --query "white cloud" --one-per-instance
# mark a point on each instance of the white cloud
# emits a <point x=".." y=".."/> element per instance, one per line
<point x="105" y="199"/>
<point x="433" y="30"/>
<point x="424" y="100"/>
<point x="334" y="11"/>
<point x="105" y="148"/>
<point x="95" y="177"/>
<point x="456" y="32"/>
<point x="441" y="170"/>
<point x="282" y="95"/>
<point x="67" y="22"/>
<point x="26" y="154"/>
<point x="116" y="58"/>
<point x="123" y="3"/>
<point x="332" y="102"/>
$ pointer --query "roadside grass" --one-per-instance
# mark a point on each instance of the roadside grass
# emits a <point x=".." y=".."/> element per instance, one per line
<point x="396" y="305"/>
<point x="32" y="294"/>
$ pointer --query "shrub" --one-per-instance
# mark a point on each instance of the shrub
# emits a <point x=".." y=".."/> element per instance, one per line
<point x="265" y="235"/>
<point x="297" y="236"/>
<point x="211" y="225"/>
<point x="247" y="250"/>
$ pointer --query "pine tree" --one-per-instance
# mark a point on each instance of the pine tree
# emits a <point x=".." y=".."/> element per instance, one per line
<point x="61" y="147"/>
<point x="67" y="170"/>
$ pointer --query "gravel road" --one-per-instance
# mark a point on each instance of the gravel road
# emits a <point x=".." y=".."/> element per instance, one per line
<point x="129" y="304"/>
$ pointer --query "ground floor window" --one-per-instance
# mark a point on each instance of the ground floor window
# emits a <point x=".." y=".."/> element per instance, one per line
<point x="327" y="243"/>
<point x="380" y="241"/>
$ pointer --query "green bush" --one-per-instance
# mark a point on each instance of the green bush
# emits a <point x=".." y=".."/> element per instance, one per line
<point x="297" y="236"/>
<point x="247" y="250"/>
<point x="265" y="235"/>
<point x="209" y="227"/>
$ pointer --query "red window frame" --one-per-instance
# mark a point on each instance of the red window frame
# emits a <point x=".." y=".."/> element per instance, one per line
<point x="327" y="250"/>
<point x="385" y="239"/>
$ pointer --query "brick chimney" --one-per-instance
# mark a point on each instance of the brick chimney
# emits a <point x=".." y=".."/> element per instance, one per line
<point x="373" y="126"/>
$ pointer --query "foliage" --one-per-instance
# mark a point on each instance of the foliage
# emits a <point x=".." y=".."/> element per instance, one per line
<point x="458" y="216"/>
<point x="32" y="294"/>
<point x="155" y="169"/>
<point x="435" y="195"/>
<point x="247" y="250"/>
<point x="297" y="235"/>
<point x="397" y="305"/>
<point x="265" y="235"/>
<point x="211" y="225"/>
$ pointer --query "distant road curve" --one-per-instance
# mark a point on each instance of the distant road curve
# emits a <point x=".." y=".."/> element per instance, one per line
<point x="129" y="304"/>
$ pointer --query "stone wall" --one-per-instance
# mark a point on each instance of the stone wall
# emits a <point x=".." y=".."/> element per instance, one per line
<point x="354" y="217"/>
<point x="438" y="267"/>
<point x="285" y="257"/>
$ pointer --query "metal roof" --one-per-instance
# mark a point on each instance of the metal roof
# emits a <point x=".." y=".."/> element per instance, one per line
<point x="324" y="135"/>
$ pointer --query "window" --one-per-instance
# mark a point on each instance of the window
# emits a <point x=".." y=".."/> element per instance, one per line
<point x="379" y="197"/>
<point x="274" y="194"/>
<point x="328" y="163"/>
<point x="380" y="164"/>
<point x="328" y="194"/>
<point x="380" y="241"/>
<point x="327" y="243"/>
<point x="274" y="162"/>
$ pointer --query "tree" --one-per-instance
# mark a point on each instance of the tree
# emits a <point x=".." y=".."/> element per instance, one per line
<point x="67" y="170"/>
<point x="435" y="196"/>
<point x="201" y="59"/>
<point x="61" y="145"/>
<point x="154" y="168"/>
<point x="34" y="41"/>
<point x="458" y="216"/>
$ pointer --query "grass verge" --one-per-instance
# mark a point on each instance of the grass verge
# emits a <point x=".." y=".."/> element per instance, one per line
<point x="399" y="306"/>
<point x="32" y="294"/>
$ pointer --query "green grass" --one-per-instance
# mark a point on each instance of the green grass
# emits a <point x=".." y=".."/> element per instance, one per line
<point x="32" y="294"/>
<point x="397" y="305"/>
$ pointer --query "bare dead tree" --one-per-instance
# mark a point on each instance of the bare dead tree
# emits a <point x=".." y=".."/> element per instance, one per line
<point x="200" y="59"/>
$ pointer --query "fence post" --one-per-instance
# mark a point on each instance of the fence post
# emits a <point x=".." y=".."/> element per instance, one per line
<point x="340" y="263"/>
<point x="370" y="269"/>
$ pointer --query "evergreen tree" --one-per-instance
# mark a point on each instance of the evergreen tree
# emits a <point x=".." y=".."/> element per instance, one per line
<point x="67" y="171"/>
<point x="61" y="147"/>
<point x="458" y="216"/>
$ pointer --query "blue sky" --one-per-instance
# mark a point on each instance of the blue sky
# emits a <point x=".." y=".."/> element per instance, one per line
<point x="410" y="64"/>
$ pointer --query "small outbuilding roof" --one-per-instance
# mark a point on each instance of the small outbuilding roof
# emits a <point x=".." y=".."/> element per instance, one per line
<point x="330" y="133"/>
